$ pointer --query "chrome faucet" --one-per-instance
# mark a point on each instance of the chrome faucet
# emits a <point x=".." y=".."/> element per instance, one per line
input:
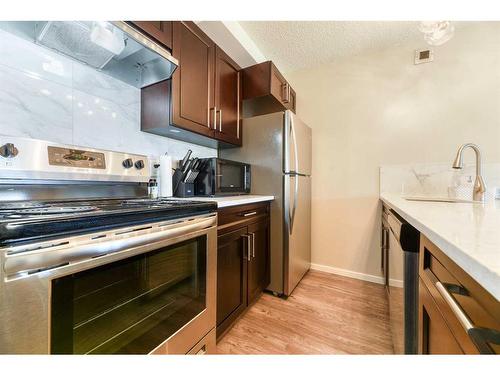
<point x="479" y="186"/>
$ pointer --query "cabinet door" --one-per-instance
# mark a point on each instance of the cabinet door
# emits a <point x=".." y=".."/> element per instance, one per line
<point x="160" y="30"/>
<point x="192" y="81"/>
<point x="435" y="337"/>
<point x="293" y="100"/>
<point x="258" y="266"/>
<point x="232" y="252"/>
<point x="279" y="87"/>
<point x="227" y="99"/>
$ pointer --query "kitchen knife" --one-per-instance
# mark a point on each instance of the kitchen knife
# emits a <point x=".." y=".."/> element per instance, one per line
<point x="187" y="169"/>
<point x="191" y="170"/>
<point x="196" y="165"/>
<point x="183" y="162"/>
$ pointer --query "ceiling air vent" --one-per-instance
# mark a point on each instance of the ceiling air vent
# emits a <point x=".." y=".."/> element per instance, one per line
<point x="423" y="56"/>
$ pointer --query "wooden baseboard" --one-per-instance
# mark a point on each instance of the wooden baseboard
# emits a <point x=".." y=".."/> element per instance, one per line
<point x="348" y="273"/>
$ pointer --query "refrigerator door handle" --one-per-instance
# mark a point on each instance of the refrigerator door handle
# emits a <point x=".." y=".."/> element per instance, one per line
<point x="295" y="148"/>
<point x="292" y="209"/>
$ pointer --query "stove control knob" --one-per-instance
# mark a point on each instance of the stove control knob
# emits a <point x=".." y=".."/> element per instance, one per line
<point x="139" y="164"/>
<point x="8" y="150"/>
<point x="128" y="163"/>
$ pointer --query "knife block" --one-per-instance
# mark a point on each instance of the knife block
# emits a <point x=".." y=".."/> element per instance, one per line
<point x="182" y="189"/>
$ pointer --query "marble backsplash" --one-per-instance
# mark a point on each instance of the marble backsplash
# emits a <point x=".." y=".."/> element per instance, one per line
<point x="47" y="96"/>
<point x="437" y="180"/>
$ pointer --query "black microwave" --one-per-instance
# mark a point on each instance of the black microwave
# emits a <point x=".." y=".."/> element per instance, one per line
<point x="222" y="177"/>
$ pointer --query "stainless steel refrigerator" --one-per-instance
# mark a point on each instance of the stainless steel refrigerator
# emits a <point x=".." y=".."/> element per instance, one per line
<point x="278" y="146"/>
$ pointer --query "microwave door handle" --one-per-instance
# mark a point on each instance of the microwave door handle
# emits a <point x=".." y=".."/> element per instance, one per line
<point x="246" y="183"/>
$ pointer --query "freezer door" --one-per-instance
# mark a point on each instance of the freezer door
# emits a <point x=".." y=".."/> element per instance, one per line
<point x="298" y="144"/>
<point x="297" y="229"/>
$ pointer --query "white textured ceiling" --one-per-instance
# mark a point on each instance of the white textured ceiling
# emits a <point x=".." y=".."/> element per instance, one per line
<point x="295" y="45"/>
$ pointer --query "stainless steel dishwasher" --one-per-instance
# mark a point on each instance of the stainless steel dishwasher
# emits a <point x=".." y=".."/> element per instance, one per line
<point x="401" y="242"/>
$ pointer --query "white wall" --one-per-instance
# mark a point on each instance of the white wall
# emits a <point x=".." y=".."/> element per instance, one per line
<point x="380" y="109"/>
<point x="46" y="96"/>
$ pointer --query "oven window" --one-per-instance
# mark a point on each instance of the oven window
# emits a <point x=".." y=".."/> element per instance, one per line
<point x="231" y="176"/>
<point x="130" y="306"/>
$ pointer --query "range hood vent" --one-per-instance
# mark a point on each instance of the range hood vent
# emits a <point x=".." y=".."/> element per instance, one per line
<point x="114" y="48"/>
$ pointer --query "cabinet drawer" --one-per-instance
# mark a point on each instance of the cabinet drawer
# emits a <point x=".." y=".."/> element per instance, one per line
<point x="435" y="337"/>
<point x="237" y="216"/>
<point x="472" y="314"/>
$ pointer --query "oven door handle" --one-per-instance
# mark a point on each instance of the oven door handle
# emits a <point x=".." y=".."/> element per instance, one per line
<point x="141" y="238"/>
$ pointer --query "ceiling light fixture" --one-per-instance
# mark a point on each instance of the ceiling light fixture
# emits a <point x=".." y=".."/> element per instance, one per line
<point x="437" y="33"/>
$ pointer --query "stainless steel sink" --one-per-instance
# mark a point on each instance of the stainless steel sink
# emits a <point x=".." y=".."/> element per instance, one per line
<point x="440" y="199"/>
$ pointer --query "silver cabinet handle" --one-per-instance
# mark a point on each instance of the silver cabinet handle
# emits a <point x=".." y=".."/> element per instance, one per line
<point x="253" y="245"/>
<point x="250" y="213"/>
<point x="220" y="120"/>
<point x="249" y="245"/>
<point x="214" y="109"/>
<point x="457" y="310"/>
<point x="286" y="92"/>
<point x="479" y="335"/>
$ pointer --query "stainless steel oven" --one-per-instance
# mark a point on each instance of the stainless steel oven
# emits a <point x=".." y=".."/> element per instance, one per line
<point x="144" y="289"/>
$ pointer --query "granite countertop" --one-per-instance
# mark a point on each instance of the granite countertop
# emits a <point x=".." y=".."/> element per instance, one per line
<point x="233" y="200"/>
<point x="468" y="233"/>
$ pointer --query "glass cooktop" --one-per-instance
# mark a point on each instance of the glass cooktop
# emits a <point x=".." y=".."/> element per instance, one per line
<point x="30" y="220"/>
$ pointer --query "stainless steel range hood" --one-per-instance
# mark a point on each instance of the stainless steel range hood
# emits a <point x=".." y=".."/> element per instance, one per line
<point x="114" y="48"/>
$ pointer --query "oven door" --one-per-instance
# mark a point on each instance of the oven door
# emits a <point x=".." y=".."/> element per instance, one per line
<point x="151" y="290"/>
<point x="232" y="177"/>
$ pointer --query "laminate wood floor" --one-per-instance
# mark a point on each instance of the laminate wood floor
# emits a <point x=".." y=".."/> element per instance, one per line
<point x="326" y="314"/>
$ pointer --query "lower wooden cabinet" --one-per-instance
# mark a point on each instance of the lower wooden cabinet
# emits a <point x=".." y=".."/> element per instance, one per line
<point x="258" y="262"/>
<point x="242" y="260"/>
<point x="435" y="337"/>
<point x="231" y="277"/>
<point x="456" y="315"/>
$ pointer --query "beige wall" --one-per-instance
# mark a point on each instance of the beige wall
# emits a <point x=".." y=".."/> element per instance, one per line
<point x="380" y="108"/>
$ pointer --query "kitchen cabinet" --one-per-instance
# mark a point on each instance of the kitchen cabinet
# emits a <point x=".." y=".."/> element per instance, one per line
<point x="231" y="276"/>
<point x="435" y="336"/>
<point x="242" y="260"/>
<point x="193" y="80"/>
<point x="456" y="315"/>
<point x="259" y="258"/>
<point x="227" y="124"/>
<point x="159" y="30"/>
<point x="203" y="98"/>
<point x="265" y="90"/>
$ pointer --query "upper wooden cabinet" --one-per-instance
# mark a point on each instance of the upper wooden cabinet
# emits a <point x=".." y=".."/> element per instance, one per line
<point x="193" y="80"/>
<point x="265" y="90"/>
<point x="205" y="91"/>
<point x="160" y="30"/>
<point x="227" y="99"/>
